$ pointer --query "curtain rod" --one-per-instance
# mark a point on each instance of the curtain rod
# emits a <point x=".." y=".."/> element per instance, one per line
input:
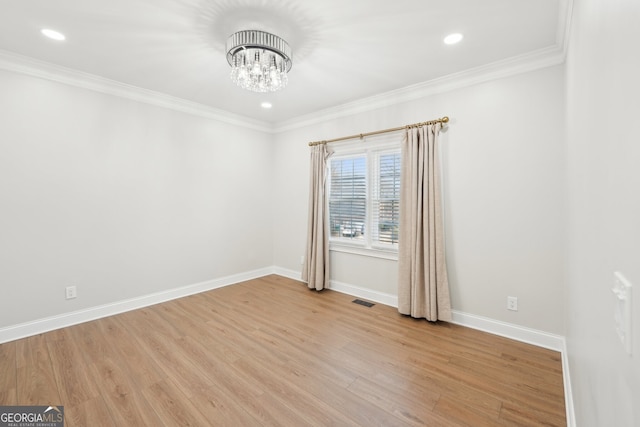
<point x="442" y="120"/>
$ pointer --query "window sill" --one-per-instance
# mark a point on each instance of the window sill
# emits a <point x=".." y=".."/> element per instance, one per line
<point x="390" y="254"/>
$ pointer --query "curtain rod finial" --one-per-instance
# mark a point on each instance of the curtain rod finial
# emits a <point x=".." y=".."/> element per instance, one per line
<point x="445" y="119"/>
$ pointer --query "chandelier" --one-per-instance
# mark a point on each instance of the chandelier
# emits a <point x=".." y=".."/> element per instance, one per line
<point x="259" y="61"/>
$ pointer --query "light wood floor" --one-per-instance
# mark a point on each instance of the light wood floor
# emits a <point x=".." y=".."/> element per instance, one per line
<point x="272" y="352"/>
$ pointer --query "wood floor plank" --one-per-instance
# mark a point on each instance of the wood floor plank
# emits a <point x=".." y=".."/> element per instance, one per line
<point x="510" y="386"/>
<point x="171" y="358"/>
<point x="75" y="384"/>
<point x="217" y="331"/>
<point x="8" y="374"/>
<point x="418" y="376"/>
<point x="222" y="376"/>
<point x="410" y="408"/>
<point x="36" y="383"/>
<point x="90" y="341"/>
<point x="306" y="357"/>
<point x="173" y="407"/>
<point x="224" y="408"/>
<point x="138" y="365"/>
<point x="271" y="352"/>
<point x="119" y="392"/>
<point x="524" y="415"/>
<point x="299" y="402"/>
<point x="272" y="412"/>
<point x="456" y="412"/>
<point x="94" y="412"/>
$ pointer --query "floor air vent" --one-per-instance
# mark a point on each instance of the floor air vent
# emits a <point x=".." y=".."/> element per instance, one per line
<point x="365" y="303"/>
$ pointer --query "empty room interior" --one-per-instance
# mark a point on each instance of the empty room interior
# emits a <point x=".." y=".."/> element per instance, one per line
<point x="194" y="193"/>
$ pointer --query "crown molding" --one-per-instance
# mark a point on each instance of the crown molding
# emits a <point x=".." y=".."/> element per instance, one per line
<point x="520" y="64"/>
<point x="13" y="62"/>
<point x="532" y="61"/>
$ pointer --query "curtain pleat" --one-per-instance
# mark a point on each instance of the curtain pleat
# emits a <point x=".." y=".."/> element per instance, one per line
<point x="423" y="287"/>
<point x="315" y="269"/>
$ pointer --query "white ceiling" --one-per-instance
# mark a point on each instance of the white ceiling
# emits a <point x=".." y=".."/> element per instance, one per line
<point x="343" y="51"/>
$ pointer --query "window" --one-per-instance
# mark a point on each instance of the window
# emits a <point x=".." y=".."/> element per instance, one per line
<point x="386" y="198"/>
<point x="348" y="198"/>
<point x="364" y="198"/>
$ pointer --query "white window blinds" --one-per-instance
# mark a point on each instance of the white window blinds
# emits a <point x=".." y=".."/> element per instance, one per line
<point x="364" y="197"/>
<point x="348" y="197"/>
<point x="385" y="206"/>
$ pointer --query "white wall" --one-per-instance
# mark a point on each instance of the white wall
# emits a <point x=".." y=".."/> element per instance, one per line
<point x="603" y="110"/>
<point x="124" y="199"/>
<point x="121" y="198"/>
<point x="504" y="169"/>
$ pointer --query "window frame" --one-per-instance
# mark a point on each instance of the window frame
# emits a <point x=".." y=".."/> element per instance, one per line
<point x="371" y="149"/>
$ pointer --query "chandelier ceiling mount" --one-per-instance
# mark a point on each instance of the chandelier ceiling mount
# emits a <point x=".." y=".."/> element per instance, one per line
<point x="259" y="60"/>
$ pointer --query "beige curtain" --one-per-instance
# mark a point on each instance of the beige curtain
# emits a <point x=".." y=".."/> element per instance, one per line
<point x="423" y="288"/>
<point x="315" y="270"/>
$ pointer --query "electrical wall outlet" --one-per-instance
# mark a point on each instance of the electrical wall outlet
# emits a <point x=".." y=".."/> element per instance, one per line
<point x="512" y="303"/>
<point x="70" y="292"/>
<point x="302" y="260"/>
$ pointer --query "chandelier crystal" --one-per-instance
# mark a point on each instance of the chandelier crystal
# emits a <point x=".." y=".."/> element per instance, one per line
<point x="259" y="61"/>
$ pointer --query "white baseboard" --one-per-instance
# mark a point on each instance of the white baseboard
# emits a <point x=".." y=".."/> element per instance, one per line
<point x="518" y="333"/>
<point x="289" y="274"/>
<point x="530" y="336"/>
<point x="568" y="392"/>
<point x="509" y="330"/>
<point x="485" y="324"/>
<point x="47" y="324"/>
<point x="356" y="291"/>
<point x="368" y="294"/>
<point x="495" y="327"/>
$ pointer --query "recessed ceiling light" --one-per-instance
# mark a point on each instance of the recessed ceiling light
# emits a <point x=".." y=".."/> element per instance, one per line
<point x="266" y="105"/>
<point x="453" y="38"/>
<point x="52" y="34"/>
